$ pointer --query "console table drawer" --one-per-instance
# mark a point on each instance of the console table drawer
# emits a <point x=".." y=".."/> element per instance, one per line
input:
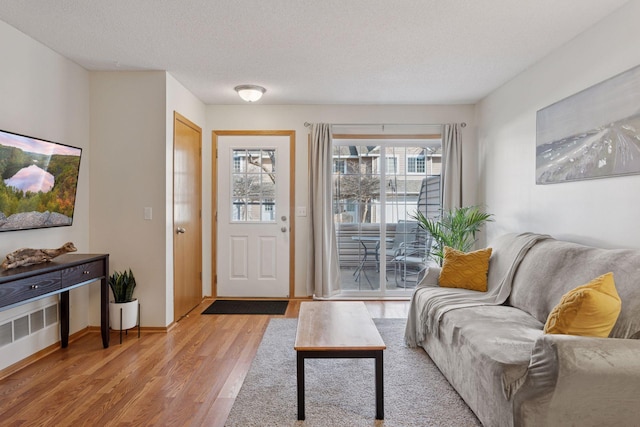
<point x="28" y="288"/>
<point x="83" y="272"/>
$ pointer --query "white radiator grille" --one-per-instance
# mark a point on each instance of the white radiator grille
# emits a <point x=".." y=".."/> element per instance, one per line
<point x="37" y="320"/>
<point x="6" y="337"/>
<point x="28" y="324"/>
<point x="51" y="315"/>
<point x="21" y="327"/>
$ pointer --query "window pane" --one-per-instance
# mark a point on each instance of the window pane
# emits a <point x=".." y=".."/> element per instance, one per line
<point x="239" y="157"/>
<point x="339" y="166"/>
<point x="238" y="210"/>
<point x="411" y="165"/>
<point x="254" y="161"/>
<point x="268" y="210"/>
<point x="379" y="186"/>
<point x="269" y="161"/>
<point x="239" y="190"/>
<point x="253" y="185"/>
<point x="392" y="165"/>
<point x="237" y="164"/>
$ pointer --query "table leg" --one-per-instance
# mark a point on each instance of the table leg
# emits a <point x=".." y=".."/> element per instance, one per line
<point x="104" y="308"/>
<point x="64" y="319"/>
<point x="300" y="375"/>
<point x="360" y="266"/>
<point x="379" y="387"/>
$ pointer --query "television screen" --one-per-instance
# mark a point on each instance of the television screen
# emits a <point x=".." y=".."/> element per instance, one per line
<point x="38" y="182"/>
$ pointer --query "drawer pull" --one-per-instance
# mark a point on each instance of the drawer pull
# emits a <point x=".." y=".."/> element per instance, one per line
<point x="34" y="286"/>
<point x="86" y="272"/>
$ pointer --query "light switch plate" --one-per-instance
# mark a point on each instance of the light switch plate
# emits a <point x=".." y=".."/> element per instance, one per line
<point x="301" y="211"/>
<point x="148" y="213"/>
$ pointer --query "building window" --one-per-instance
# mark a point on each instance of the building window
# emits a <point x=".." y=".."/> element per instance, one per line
<point x="268" y="211"/>
<point x="237" y="164"/>
<point x="416" y="164"/>
<point x="339" y="166"/>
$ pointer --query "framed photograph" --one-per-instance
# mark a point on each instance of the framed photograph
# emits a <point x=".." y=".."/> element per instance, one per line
<point x="592" y="134"/>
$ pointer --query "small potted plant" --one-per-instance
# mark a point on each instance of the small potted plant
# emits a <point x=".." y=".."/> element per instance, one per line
<point x="122" y="285"/>
<point x="455" y="228"/>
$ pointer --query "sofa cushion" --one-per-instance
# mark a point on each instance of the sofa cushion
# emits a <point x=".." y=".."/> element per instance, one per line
<point x="465" y="270"/>
<point x="497" y="340"/>
<point x="588" y="310"/>
<point x="552" y="268"/>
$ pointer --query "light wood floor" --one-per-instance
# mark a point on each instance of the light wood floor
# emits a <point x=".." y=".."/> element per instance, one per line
<point x="189" y="376"/>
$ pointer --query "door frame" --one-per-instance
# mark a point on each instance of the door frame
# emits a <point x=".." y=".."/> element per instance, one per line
<point x="214" y="200"/>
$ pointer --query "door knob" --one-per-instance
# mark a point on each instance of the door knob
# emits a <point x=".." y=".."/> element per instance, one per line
<point x="283" y="229"/>
<point x="180" y="230"/>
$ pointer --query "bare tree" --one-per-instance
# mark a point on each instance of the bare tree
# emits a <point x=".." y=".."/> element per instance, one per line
<point x="268" y="168"/>
<point x="358" y="185"/>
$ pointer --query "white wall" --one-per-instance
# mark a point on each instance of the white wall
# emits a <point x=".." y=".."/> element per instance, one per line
<point x="184" y="102"/>
<point x="128" y="173"/>
<point x="132" y="136"/>
<point x="45" y="95"/>
<point x="293" y="117"/>
<point x="602" y="212"/>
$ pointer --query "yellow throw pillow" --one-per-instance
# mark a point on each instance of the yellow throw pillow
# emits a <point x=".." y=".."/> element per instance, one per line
<point x="465" y="270"/>
<point x="588" y="310"/>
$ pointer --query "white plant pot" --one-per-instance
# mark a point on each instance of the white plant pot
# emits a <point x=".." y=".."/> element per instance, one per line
<point x="129" y="314"/>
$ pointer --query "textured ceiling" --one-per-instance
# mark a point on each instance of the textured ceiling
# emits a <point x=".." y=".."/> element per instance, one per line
<point x="313" y="51"/>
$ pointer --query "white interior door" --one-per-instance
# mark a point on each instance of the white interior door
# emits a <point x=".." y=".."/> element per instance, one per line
<point x="253" y="227"/>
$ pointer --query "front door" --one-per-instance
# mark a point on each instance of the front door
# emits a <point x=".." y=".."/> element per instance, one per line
<point x="187" y="227"/>
<point x="254" y="223"/>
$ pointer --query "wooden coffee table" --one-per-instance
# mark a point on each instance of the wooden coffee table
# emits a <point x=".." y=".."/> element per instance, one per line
<point x="338" y="329"/>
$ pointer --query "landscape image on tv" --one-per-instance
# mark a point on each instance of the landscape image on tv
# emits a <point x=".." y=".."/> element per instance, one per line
<point x="38" y="181"/>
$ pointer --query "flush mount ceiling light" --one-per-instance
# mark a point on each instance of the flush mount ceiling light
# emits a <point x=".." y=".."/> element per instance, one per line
<point x="250" y="93"/>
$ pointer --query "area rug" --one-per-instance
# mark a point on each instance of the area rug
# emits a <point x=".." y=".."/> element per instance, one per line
<point x="341" y="392"/>
<point x="247" y="307"/>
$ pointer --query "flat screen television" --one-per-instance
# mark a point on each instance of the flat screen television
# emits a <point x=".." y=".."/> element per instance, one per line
<point x="38" y="182"/>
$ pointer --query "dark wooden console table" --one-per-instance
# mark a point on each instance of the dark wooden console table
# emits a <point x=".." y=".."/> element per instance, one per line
<point x="25" y="284"/>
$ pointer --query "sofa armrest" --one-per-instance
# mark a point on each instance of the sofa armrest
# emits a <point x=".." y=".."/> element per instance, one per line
<point x="583" y="381"/>
<point x="431" y="278"/>
<point x="413" y="332"/>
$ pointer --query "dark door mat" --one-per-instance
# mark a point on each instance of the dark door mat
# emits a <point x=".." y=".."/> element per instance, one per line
<point x="247" y="307"/>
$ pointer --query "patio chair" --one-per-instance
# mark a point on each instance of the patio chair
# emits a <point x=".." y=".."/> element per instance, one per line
<point x="412" y="259"/>
<point x="405" y="234"/>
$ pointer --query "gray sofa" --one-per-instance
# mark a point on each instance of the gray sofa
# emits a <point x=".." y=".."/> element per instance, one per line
<point x="492" y="349"/>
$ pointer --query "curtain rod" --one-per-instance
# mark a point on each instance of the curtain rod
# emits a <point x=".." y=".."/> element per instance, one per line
<point x="463" y="124"/>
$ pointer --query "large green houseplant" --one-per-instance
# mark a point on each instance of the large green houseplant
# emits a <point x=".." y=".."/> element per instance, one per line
<point x="123" y="310"/>
<point x="455" y="228"/>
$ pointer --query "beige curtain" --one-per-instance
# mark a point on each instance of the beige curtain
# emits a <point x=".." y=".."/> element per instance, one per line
<point x="451" y="167"/>
<point x="323" y="269"/>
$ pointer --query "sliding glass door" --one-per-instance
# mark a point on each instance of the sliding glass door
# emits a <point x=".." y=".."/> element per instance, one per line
<point x="379" y="185"/>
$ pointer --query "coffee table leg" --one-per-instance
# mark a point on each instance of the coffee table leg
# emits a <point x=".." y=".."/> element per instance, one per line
<point x="379" y="387"/>
<point x="300" y="375"/>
